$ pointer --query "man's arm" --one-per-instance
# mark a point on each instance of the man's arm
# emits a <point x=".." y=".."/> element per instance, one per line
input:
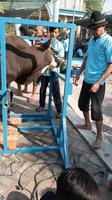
<point x="107" y="72"/>
<point x="75" y="79"/>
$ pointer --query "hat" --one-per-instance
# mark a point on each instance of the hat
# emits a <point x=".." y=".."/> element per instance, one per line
<point x="96" y="20"/>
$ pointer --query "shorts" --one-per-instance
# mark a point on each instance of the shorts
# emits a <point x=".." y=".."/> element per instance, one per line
<point x="96" y="101"/>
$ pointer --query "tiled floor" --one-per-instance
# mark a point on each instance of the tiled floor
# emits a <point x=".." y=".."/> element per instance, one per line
<point x="75" y="115"/>
<point x="27" y="176"/>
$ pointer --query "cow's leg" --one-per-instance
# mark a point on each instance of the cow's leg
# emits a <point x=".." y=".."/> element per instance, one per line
<point x="19" y="89"/>
<point x="34" y="90"/>
<point x="44" y="84"/>
<point x="25" y="89"/>
<point x="33" y="95"/>
<point x="11" y="98"/>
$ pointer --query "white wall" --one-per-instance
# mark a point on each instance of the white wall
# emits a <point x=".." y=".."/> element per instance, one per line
<point x="69" y="4"/>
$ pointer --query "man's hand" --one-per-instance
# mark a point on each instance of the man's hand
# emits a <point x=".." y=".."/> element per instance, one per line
<point x="95" y="87"/>
<point x="75" y="80"/>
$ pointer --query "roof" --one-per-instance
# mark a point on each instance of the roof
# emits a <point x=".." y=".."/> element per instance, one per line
<point x="22" y="4"/>
<point x="22" y="8"/>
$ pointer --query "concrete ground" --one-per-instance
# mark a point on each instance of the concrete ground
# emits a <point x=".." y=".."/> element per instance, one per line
<point x="28" y="176"/>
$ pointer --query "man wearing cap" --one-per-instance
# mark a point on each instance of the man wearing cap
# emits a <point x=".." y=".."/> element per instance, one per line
<point x="98" y="66"/>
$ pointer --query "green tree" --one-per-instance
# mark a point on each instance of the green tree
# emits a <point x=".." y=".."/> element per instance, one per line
<point x="93" y="5"/>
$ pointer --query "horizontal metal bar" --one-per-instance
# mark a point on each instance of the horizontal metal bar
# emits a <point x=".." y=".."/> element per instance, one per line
<point x="34" y="128"/>
<point x="32" y="115"/>
<point x="36" y="119"/>
<point x="36" y="22"/>
<point x="31" y="149"/>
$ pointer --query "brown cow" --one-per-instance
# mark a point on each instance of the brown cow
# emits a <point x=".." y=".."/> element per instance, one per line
<point x="25" y="63"/>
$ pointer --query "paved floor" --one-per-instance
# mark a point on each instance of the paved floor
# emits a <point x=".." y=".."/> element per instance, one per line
<point x="75" y="115"/>
<point x="27" y="176"/>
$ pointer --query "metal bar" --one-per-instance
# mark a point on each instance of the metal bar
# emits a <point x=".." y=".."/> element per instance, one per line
<point x="29" y="115"/>
<point x="36" y="22"/>
<point x="68" y="70"/>
<point x="61" y="136"/>
<point x="3" y="83"/>
<point x="54" y="126"/>
<point x="35" y="128"/>
<point x="35" y="119"/>
<point x="64" y="143"/>
<point x="32" y="149"/>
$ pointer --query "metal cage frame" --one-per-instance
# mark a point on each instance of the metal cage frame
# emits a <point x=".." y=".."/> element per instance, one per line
<point x="60" y="131"/>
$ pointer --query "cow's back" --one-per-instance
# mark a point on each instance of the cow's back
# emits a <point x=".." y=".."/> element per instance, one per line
<point x="16" y="41"/>
<point x="23" y="61"/>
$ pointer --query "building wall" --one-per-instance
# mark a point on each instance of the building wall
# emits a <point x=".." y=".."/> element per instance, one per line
<point x="72" y="4"/>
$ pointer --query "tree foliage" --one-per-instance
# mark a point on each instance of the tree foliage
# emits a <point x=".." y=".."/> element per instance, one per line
<point x="93" y="5"/>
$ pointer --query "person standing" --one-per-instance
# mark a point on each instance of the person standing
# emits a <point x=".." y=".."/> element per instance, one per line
<point x="98" y="66"/>
<point x="58" y="49"/>
<point x="65" y="41"/>
<point x="23" y="32"/>
<point x="39" y="32"/>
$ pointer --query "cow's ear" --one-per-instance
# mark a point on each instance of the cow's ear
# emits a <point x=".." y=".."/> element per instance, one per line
<point x="46" y="45"/>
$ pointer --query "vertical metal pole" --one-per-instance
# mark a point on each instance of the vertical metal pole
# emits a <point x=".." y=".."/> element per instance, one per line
<point x="56" y="11"/>
<point x="67" y="81"/>
<point x="17" y="26"/>
<point x="3" y="82"/>
<point x="40" y="14"/>
<point x="74" y="11"/>
<point x="55" y="19"/>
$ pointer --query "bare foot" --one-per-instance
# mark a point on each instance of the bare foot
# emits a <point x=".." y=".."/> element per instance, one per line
<point x="84" y="126"/>
<point x="32" y="98"/>
<point x="97" y="144"/>
<point x="109" y="183"/>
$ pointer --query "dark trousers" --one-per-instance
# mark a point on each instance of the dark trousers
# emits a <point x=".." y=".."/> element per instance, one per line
<point x="55" y="91"/>
<point x="96" y="101"/>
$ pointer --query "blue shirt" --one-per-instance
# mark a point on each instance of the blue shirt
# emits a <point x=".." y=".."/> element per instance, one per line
<point x="99" y="55"/>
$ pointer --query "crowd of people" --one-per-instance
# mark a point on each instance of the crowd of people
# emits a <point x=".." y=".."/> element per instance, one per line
<point x="58" y="50"/>
<point x="97" y="66"/>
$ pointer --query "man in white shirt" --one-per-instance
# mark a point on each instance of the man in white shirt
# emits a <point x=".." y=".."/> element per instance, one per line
<point x="45" y="78"/>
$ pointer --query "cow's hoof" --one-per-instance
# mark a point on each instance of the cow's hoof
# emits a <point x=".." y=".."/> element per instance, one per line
<point x="29" y="100"/>
<point x="25" y="91"/>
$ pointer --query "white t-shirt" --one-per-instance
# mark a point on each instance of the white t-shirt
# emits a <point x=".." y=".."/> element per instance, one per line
<point x="58" y="46"/>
